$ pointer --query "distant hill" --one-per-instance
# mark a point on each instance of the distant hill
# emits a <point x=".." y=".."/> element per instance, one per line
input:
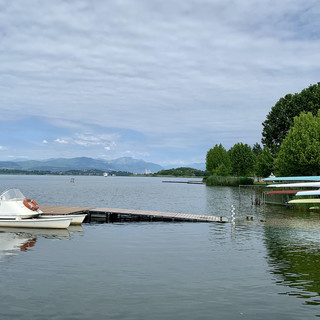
<point x="9" y="165"/>
<point x="83" y="163"/>
<point x="133" y="165"/>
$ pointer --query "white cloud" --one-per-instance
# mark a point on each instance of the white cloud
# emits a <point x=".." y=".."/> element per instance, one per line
<point x="94" y="139"/>
<point x="44" y="141"/>
<point x="91" y="140"/>
<point x="134" y="154"/>
<point x="62" y="141"/>
<point x="110" y="146"/>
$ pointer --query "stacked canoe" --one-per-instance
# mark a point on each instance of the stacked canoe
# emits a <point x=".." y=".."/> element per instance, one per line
<point x="309" y="197"/>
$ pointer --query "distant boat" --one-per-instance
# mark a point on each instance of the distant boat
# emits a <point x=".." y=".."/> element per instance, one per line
<point x="105" y="174"/>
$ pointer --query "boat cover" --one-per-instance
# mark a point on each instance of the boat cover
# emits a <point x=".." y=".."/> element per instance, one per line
<point x="12" y="194"/>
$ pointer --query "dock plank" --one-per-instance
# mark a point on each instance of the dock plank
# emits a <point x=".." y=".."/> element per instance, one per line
<point x="159" y="214"/>
<point x="63" y="210"/>
<point x="104" y="212"/>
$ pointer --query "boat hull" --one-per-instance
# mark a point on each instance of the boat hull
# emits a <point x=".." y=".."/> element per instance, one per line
<point x="76" y="219"/>
<point x="309" y="193"/>
<point x="295" y="185"/>
<point x="305" y="178"/>
<point x="301" y="201"/>
<point x="52" y="223"/>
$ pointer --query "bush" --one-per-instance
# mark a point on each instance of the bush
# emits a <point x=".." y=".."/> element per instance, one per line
<point x="228" y="181"/>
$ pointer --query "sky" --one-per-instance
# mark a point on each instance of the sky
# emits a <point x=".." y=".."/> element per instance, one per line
<point x="162" y="81"/>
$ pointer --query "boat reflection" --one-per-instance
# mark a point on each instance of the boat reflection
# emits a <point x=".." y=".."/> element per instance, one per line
<point x="15" y="240"/>
<point x="293" y="253"/>
<point x="12" y="242"/>
<point x="76" y="229"/>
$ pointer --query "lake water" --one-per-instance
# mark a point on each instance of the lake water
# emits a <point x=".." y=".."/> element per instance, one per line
<point x="267" y="268"/>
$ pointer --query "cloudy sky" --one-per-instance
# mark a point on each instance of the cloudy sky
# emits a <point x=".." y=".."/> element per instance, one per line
<point x="162" y="81"/>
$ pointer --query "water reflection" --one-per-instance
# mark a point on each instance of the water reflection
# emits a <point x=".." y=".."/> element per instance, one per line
<point x="76" y="229"/>
<point x="293" y="253"/>
<point x="16" y="240"/>
<point x="10" y="243"/>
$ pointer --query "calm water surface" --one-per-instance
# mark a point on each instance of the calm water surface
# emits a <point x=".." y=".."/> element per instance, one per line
<point x="268" y="268"/>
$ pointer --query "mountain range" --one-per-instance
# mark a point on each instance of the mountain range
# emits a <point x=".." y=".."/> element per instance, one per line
<point x="83" y="163"/>
<point x="127" y="164"/>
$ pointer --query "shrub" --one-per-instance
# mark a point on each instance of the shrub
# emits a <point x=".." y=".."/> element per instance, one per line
<point x="228" y="181"/>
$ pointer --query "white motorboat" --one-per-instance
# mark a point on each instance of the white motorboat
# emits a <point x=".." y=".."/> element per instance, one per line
<point x="13" y="204"/>
<point x="18" y="211"/>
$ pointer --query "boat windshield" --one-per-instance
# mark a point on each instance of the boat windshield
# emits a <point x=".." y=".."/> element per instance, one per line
<point x="12" y="194"/>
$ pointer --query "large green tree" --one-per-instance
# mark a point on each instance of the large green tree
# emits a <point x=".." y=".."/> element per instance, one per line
<point x="242" y="160"/>
<point x="218" y="161"/>
<point x="280" y="118"/>
<point x="299" y="153"/>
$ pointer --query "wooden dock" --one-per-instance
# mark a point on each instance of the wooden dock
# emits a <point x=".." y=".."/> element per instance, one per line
<point x="115" y="215"/>
<point x="188" y="182"/>
<point x="63" y="210"/>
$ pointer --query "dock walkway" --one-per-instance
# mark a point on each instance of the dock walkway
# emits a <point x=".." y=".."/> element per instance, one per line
<point x="113" y="214"/>
<point x="63" y="210"/>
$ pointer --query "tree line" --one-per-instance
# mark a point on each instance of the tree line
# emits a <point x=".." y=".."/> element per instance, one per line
<point x="290" y="142"/>
<point x="182" y="172"/>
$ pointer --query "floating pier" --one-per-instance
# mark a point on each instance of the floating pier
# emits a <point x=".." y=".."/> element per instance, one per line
<point x="115" y="215"/>
<point x="188" y="182"/>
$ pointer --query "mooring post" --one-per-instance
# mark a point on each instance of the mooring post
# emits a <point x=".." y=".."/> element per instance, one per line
<point x="233" y="214"/>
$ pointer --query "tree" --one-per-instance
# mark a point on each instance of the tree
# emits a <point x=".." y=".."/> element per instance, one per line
<point x="299" y="153"/>
<point x="218" y="161"/>
<point x="242" y="160"/>
<point x="280" y="118"/>
<point x="182" y="172"/>
<point x="264" y="163"/>
<point x="256" y="149"/>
